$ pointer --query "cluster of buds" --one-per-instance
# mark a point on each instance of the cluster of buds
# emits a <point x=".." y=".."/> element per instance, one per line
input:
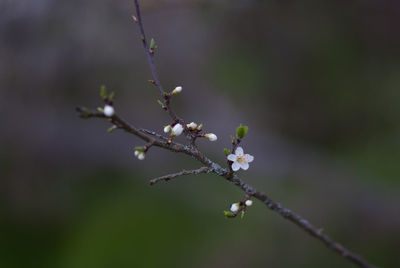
<point x="194" y="127"/>
<point x="238" y="207"/>
<point x="176" y="130"/>
<point x="140" y="155"/>
<point x="140" y="152"/>
<point x="235" y="207"/>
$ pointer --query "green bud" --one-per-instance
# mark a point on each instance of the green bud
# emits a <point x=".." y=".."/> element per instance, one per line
<point x="111" y="96"/>
<point x="232" y="138"/>
<point x="200" y="126"/>
<point x="139" y="148"/>
<point x="161" y="103"/>
<point x="228" y="214"/>
<point x="242" y="215"/>
<point x="227" y="152"/>
<point x="103" y="92"/>
<point x="85" y="112"/>
<point x="241" y="131"/>
<point x="111" y="129"/>
<point x="153" y="45"/>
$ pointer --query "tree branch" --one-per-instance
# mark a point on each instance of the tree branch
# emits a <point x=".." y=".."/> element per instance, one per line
<point x="178" y="174"/>
<point x="210" y="166"/>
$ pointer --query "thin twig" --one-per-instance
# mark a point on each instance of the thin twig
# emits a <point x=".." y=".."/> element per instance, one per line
<point x="178" y="174"/>
<point x="164" y="96"/>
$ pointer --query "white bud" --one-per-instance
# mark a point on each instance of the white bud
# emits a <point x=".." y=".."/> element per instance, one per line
<point x="192" y="126"/>
<point x="141" y="156"/>
<point x="108" y="111"/>
<point x="177" y="130"/>
<point x="235" y="207"/>
<point x="167" y="129"/>
<point x="137" y="153"/>
<point x="177" y="90"/>
<point x="249" y="203"/>
<point x="211" y="136"/>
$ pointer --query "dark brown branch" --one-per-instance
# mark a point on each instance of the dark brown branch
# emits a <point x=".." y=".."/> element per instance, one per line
<point x="210" y="166"/>
<point x="182" y="173"/>
<point x="213" y="167"/>
<point x="302" y="223"/>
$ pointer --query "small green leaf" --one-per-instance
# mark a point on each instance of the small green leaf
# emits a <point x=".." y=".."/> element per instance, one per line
<point x="100" y="109"/>
<point x="103" y="92"/>
<point x="152" y="44"/>
<point x="85" y="112"/>
<point x="161" y="103"/>
<point x="242" y="215"/>
<point x="232" y="139"/>
<point x="200" y="126"/>
<point x="139" y="148"/>
<point x="111" y="96"/>
<point x="227" y="152"/>
<point x="111" y="129"/>
<point x="228" y="214"/>
<point x="241" y="131"/>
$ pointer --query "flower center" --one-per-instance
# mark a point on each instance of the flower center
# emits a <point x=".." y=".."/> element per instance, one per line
<point x="241" y="159"/>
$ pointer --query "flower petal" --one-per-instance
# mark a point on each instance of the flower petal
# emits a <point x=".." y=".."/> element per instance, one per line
<point x="232" y="157"/>
<point x="249" y="158"/>
<point x="239" y="151"/>
<point x="235" y="166"/>
<point x="244" y="165"/>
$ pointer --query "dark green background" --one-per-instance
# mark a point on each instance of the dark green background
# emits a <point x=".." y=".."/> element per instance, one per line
<point x="317" y="82"/>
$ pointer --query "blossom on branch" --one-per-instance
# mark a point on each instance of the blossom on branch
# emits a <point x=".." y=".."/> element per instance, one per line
<point x="240" y="160"/>
<point x="191" y="126"/>
<point x="211" y="136"/>
<point x="140" y="155"/>
<point x="177" y="90"/>
<point x="249" y="203"/>
<point x="108" y="110"/>
<point x="167" y="129"/>
<point x="177" y="130"/>
<point x="235" y="207"/>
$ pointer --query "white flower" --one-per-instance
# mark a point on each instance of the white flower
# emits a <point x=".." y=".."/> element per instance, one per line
<point x="211" y="136"/>
<point x="137" y="153"/>
<point x="192" y="126"/>
<point x="177" y="90"/>
<point x="108" y="110"/>
<point x="249" y="203"/>
<point x="235" y="207"/>
<point x="177" y="130"/>
<point x="167" y="129"/>
<point x="240" y="160"/>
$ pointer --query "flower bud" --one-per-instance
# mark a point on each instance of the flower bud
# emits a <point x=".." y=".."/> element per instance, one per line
<point x="108" y="110"/>
<point x="249" y="203"/>
<point x="211" y="136"/>
<point x="177" y="90"/>
<point x="141" y="156"/>
<point x="235" y="207"/>
<point x="167" y="129"/>
<point x="177" y="130"/>
<point x="192" y="126"/>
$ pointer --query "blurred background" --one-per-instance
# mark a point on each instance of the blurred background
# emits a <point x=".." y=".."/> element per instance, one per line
<point x="317" y="82"/>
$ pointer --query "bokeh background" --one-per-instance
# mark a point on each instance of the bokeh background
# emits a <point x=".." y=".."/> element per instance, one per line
<point x="317" y="82"/>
